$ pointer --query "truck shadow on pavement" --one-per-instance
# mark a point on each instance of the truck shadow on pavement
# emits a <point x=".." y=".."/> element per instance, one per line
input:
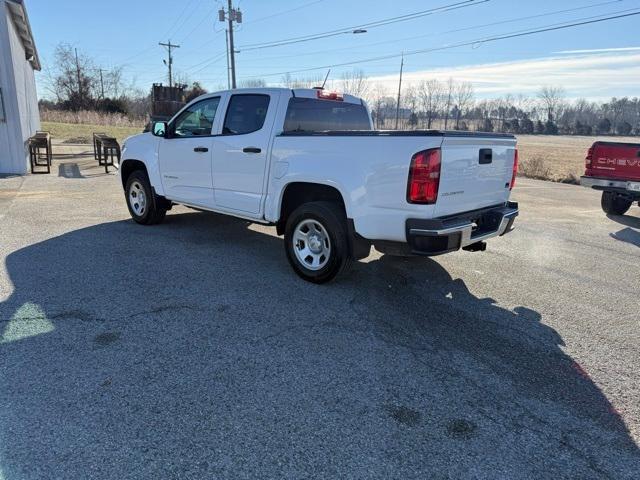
<point x="190" y="350"/>
<point x="628" y="235"/>
<point x="626" y="220"/>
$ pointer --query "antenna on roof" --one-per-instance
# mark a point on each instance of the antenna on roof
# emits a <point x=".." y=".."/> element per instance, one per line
<point x="325" y="79"/>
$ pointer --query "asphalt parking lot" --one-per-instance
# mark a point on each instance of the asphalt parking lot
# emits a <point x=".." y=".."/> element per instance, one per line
<point x="190" y="350"/>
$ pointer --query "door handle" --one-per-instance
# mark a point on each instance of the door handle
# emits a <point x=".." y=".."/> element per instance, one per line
<point x="251" y="150"/>
<point x="201" y="149"/>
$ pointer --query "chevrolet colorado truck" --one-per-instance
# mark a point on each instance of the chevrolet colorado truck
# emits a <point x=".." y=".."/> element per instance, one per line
<point x="309" y="162"/>
<point x="614" y="169"/>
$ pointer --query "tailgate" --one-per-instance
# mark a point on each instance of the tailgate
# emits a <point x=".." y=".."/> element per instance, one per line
<point x="616" y="160"/>
<point x="476" y="173"/>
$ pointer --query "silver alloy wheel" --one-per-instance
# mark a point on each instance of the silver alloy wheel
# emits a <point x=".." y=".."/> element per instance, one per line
<point x="137" y="199"/>
<point x="311" y="244"/>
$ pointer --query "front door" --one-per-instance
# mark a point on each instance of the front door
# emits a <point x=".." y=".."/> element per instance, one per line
<point x="241" y="152"/>
<point x="185" y="156"/>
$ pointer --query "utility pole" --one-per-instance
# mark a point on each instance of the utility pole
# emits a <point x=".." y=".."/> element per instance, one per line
<point x="101" y="84"/>
<point x="81" y="98"/>
<point x="231" y="15"/>
<point x="399" y="92"/>
<point x="226" y="38"/>
<point x="170" y="46"/>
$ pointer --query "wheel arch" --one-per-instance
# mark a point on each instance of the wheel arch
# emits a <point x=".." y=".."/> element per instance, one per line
<point x="128" y="166"/>
<point x="297" y="193"/>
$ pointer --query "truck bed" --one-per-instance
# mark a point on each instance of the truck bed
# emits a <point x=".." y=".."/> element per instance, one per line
<point x="371" y="171"/>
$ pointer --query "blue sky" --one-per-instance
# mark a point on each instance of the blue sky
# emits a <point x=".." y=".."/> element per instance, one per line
<point x="597" y="61"/>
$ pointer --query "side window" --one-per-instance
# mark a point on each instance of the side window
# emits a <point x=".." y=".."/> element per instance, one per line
<point x="197" y="120"/>
<point x="246" y="114"/>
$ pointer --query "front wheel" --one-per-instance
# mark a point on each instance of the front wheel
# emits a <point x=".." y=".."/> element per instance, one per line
<point x="316" y="241"/>
<point x="614" y="204"/>
<point x="145" y="207"/>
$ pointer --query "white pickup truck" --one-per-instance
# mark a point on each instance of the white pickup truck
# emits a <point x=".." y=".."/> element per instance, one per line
<point x="309" y="162"/>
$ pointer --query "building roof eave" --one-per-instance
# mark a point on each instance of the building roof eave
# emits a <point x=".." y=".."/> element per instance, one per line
<point x="21" y="21"/>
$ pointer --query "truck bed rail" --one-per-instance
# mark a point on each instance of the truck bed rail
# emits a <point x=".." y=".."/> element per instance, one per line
<point x="396" y="133"/>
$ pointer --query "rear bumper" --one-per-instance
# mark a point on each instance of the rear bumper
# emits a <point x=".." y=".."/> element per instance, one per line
<point x="439" y="236"/>
<point x="599" y="183"/>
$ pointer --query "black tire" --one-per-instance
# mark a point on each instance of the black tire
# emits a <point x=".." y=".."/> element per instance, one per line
<point x="331" y="217"/>
<point x="614" y="204"/>
<point x="154" y="209"/>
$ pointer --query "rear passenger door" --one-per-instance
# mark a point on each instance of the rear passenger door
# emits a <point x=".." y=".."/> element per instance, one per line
<point x="240" y="152"/>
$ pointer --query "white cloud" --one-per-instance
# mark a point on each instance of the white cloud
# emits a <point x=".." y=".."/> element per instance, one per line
<point x="592" y="76"/>
<point x="602" y="50"/>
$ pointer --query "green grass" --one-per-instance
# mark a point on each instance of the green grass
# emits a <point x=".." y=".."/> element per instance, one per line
<point x="78" y="133"/>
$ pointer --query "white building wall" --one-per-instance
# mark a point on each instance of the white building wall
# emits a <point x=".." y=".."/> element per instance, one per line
<point x="8" y="127"/>
<point x="17" y="81"/>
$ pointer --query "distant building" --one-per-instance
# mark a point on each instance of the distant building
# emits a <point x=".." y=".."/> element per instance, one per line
<point x="19" y="116"/>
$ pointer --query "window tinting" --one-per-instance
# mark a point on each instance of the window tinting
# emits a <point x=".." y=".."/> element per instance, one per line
<point x="246" y="114"/>
<point x="310" y="115"/>
<point x="198" y="119"/>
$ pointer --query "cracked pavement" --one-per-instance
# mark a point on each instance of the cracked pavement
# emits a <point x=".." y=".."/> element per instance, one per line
<point x="190" y="350"/>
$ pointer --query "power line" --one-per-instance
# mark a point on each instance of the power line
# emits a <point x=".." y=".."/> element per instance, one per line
<point x="204" y="19"/>
<point x="378" y="23"/>
<point x="476" y="42"/>
<point x="295" y="9"/>
<point x="188" y="17"/>
<point x="178" y="18"/>
<point x="216" y="59"/>
<point x="474" y="27"/>
<point x="207" y="61"/>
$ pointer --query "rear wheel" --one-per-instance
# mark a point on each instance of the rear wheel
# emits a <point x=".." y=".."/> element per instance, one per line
<point x="145" y="207"/>
<point x="316" y="241"/>
<point x="614" y="204"/>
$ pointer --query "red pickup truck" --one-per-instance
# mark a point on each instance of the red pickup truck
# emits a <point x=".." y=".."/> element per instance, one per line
<point x="614" y="169"/>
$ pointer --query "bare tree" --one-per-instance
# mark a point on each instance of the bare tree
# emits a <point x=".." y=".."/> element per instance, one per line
<point x="313" y="81"/>
<point x="72" y="77"/>
<point x="450" y="89"/>
<point x="411" y="103"/>
<point x="354" y="83"/>
<point x="287" y="80"/>
<point x="253" y="83"/>
<point x="551" y="98"/>
<point x="377" y="98"/>
<point x="463" y="97"/>
<point x="430" y="93"/>
<point x="111" y="83"/>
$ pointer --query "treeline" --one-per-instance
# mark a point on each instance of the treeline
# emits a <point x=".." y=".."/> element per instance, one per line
<point x="451" y="104"/>
<point x="76" y="83"/>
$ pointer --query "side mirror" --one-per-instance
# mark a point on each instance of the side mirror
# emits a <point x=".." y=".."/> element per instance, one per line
<point x="159" y="129"/>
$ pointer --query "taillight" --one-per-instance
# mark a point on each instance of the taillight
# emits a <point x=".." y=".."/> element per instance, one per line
<point x="324" y="95"/>
<point x="515" y="171"/>
<point x="589" y="161"/>
<point x="424" y="177"/>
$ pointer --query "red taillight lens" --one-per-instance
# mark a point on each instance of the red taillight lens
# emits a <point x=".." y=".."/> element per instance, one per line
<point x="424" y="177"/>
<point x="515" y="170"/>
<point x="323" y="95"/>
<point x="588" y="161"/>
